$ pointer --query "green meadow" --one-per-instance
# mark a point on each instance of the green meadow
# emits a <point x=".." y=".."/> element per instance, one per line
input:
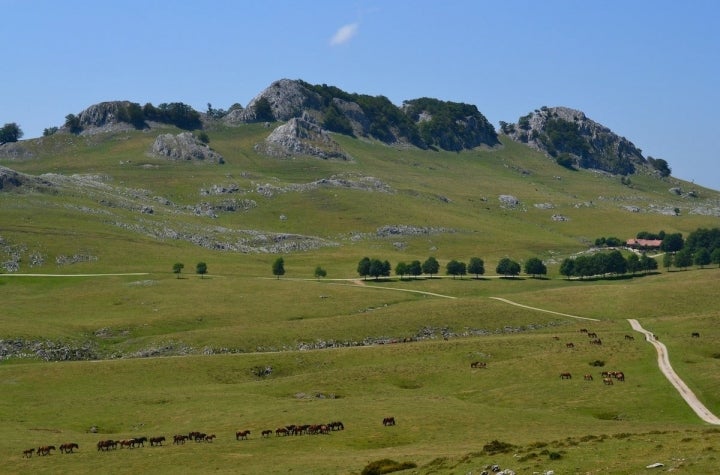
<point x="179" y="353"/>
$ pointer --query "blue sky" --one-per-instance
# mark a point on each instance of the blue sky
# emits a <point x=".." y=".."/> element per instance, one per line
<point x="649" y="70"/>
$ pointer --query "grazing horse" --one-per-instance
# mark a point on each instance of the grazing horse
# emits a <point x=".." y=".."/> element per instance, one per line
<point x="478" y="364"/>
<point x="389" y="421"/>
<point x="588" y="377"/>
<point x="569" y="345"/>
<point x="156" y="441"/>
<point x="68" y="447"/>
<point x="45" y="450"/>
<point x="608" y="381"/>
<point x="129" y="443"/>
<point x="266" y="433"/>
<point x="281" y="431"/>
<point x="620" y="376"/>
<point x="28" y="453"/>
<point x="139" y="441"/>
<point x="179" y="439"/>
<point x="630" y="337"/>
<point x="209" y="437"/>
<point x="242" y="434"/>
<point x="107" y="444"/>
<point x="565" y="376"/>
<point x="583" y="330"/>
<point x="695" y="335"/>
<point x="592" y="335"/>
<point x="336" y="425"/>
<point x="596" y="341"/>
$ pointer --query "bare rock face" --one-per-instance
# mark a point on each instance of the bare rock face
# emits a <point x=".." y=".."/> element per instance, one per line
<point x="287" y="99"/>
<point x="103" y="116"/>
<point x="184" y="146"/>
<point x="301" y="137"/>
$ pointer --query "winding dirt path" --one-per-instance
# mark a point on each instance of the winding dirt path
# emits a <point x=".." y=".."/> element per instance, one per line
<point x="664" y="363"/>
<point x="543" y="310"/>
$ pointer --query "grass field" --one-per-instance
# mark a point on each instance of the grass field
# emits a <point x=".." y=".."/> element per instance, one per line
<point x="174" y="355"/>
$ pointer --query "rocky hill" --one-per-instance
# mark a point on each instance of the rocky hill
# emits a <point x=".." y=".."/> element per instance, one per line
<point x="422" y="123"/>
<point x="574" y="140"/>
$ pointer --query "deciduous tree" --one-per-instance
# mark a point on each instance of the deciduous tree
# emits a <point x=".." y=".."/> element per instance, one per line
<point x="476" y="266"/>
<point x="278" y="267"/>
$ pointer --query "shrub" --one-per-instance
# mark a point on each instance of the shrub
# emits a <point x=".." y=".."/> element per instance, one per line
<point x="497" y="447"/>
<point x="386" y="466"/>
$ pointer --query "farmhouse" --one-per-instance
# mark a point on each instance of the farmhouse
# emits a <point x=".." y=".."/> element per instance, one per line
<point x="644" y="243"/>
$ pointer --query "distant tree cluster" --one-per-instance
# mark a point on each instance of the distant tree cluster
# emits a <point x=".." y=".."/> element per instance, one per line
<point x="176" y="113"/>
<point x="603" y="264"/>
<point x="609" y="242"/>
<point x="10" y="132"/>
<point x="447" y="126"/>
<point x="373" y="268"/>
<point x="660" y="165"/>
<point x="701" y="248"/>
<point x="383" y="116"/>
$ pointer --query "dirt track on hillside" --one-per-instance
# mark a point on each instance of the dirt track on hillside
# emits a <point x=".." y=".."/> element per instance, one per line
<point x="664" y="363"/>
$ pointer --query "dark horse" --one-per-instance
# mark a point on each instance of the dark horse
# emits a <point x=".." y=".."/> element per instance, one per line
<point x="565" y="376"/>
<point x="45" y="450"/>
<point x="389" y="421"/>
<point x="156" y="441"/>
<point x="68" y="447"/>
<point x="242" y="434"/>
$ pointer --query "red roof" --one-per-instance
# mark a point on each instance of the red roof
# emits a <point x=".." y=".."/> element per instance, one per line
<point x="644" y="242"/>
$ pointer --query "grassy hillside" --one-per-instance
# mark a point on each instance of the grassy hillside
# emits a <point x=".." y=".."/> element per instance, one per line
<point x="174" y="355"/>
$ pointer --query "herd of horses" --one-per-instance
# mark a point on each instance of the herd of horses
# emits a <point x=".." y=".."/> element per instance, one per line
<point x="607" y="376"/>
<point x="196" y="436"/>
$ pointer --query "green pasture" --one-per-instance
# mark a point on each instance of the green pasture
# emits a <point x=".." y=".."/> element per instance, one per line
<point x="181" y="353"/>
<point x="446" y="411"/>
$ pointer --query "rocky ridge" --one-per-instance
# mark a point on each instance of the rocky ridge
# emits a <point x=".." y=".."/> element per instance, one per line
<point x="568" y="134"/>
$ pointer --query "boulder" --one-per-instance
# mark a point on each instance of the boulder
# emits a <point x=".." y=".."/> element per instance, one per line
<point x="184" y="146"/>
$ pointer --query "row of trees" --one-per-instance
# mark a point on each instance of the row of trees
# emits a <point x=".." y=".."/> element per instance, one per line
<point x="377" y="268"/>
<point x="607" y="263"/>
<point x="201" y="269"/>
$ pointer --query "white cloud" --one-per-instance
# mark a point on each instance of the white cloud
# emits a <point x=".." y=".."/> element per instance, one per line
<point x="344" y="34"/>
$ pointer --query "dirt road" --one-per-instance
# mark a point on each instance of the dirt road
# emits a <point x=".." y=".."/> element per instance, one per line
<point x="666" y="368"/>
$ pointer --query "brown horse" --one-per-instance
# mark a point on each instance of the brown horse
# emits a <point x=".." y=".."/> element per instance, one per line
<point x="478" y="364"/>
<point x="209" y="437"/>
<point x="620" y="376"/>
<point x="179" y="439"/>
<point x="107" y="444"/>
<point x="242" y="434"/>
<point x="281" y="431"/>
<point x="266" y="433"/>
<point x="28" y="453"/>
<point x="156" y="440"/>
<point x="45" y="449"/>
<point x="127" y="443"/>
<point x="68" y="447"/>
<point x="570" y="345"/>
<point x="389" y="421"/>
<point x="608" y="381"/>
<point x="629" y="337"/>
<point x="588" y="377"/>
<point x="695" y="335"/>
<point x="592" y="335"/>
<point x="565" y="376"/>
